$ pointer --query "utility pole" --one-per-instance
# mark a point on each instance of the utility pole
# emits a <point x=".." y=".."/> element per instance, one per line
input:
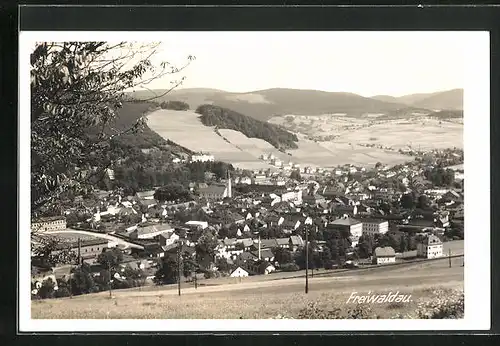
<point x="179" y="268"/>
<point x="110" y="281"/>
<point x="307" y="260"/>
<point x="79" y="252"/>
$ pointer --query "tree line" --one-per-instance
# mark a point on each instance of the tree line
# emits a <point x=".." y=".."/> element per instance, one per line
<point x="224" y="118"/>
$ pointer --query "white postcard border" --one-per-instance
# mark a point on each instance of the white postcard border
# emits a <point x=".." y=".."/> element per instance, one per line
<point x="477" y="203"/>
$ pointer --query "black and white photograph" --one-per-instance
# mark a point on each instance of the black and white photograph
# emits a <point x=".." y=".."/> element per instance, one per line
<point x="254" y="180"/>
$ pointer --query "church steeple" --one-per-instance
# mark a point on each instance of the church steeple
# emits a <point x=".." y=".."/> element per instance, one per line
<point x="229" y="192"/>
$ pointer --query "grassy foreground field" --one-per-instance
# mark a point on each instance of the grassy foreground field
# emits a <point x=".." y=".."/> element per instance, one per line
<point x="264" y="299"/>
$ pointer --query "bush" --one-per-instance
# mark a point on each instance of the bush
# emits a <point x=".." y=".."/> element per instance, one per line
<point x="329" y="264"/>
<point x="212" y="274"/>
<point x="175" y="105"/>
<point x="314" y="311"/>
<point x="290" y="267"/>
<point x="445" y="303"/>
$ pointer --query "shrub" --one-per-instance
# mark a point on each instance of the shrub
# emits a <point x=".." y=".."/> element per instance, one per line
<point x="47" y="289"/>
<point x="444" y="304"/>
<point x="313" y="311"/>
<point x="290" y="267"/>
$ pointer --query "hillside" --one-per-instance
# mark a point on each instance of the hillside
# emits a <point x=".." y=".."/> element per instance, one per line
<point x="223" y="118"/>
<point x="263" y="104"/>
<point x="127" y="116"/>
<point x="444" y="100"/>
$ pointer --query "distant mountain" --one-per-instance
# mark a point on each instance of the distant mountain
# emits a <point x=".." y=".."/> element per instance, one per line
<point x="444" y="100"/>
<point x="264" y="104"/>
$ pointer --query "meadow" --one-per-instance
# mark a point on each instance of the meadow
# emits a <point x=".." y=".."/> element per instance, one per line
<point x="254" y="299"/>
<point x="186" y="129"/>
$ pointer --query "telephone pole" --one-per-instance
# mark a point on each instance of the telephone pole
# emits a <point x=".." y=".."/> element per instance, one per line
<point x="179" y="268"/>
<point x="307" y="259"/>
<point x="110" y="281"/>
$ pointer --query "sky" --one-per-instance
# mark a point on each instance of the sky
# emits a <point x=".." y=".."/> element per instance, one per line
<point x="365" y="63"/>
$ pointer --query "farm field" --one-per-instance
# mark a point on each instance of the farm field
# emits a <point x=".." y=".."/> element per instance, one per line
<point x="423" y="132"/>
<point x="263" y="299"/>
<point x="185" y="128"/>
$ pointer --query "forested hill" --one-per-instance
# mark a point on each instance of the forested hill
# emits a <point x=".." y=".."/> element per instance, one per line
<point x="224" y="118"/>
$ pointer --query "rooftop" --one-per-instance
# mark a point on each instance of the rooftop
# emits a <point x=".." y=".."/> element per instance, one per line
<point x="385" y="252"/>
<point x="346" y="222"/>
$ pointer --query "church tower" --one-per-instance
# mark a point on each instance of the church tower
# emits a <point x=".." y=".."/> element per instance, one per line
<point x="229" y="192"/>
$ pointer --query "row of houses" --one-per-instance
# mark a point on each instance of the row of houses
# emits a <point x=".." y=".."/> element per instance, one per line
<point x="430" y="247"/>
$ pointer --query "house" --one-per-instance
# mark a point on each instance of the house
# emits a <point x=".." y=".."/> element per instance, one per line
<point x="295" y="242"/>
<point x="202" y="158"/>
<point x="88" y="248"/>
<point x="239" y="273"/>
<point x="384" y="255"/>
<point x="430" y="247"/>
<point x="264" y="244"/>
<point x="167" y="238"/>
<point x="374" y="226"/>
<point x="147" y="195"/>
<point x="354" y="227"/>
<point x="245" y="180"/>
<point x="283" y="242"/>
<point x="49" y="224"/>
<point x="150" y="232"/>
<point x="148" y="203"/>
<point x="292" y="196"/>
<point x="313" y="199"/>
<point x="202" y="224"/>
<point x="269" y="269"/>
<point x="215" y="192"/>
<point x="264" y="254"/>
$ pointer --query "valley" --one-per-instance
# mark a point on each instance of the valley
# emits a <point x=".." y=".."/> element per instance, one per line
<point x="324" y="140"/>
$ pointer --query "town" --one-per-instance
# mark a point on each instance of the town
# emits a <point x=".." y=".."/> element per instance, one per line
<point x="249" y="223"/>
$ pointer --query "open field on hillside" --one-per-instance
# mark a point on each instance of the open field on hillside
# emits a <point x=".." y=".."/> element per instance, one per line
<point x="426" y="133"/>
<point x="262" y="299"/>
<point x="231" y="146"/>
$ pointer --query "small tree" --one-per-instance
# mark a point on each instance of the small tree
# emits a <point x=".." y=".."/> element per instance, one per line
<point x="295" y="175"/>
<point x="47" y="289"/>
<point x="110" y="258"/>
<point x="168" y="272"/>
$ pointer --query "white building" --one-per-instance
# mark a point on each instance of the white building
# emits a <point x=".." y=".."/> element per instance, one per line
<point x="202" y="224"/>
<point x="49" y="224"/>
<point x="202" y="158"/>
<point x="293" y="196"/>
<point x="239" y="273"/>
<point x="384" y="255"/>
<point x="373" y="226"/>
<point x="277" y="162"/>
<point x="430" y="247"/>
<point x="245" y="180"/>
<point x="355" y="227"/>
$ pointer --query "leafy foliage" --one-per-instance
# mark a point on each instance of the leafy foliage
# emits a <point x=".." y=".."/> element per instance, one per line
<point x="168" y="272"/>
<point x="110" y="258"/>
<point x="175" y="105"/>
<point x="443" y="304"/>
<point x="440" y="177"/>
<point x="227" y="119"/>
<point x="76" y="90"/>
